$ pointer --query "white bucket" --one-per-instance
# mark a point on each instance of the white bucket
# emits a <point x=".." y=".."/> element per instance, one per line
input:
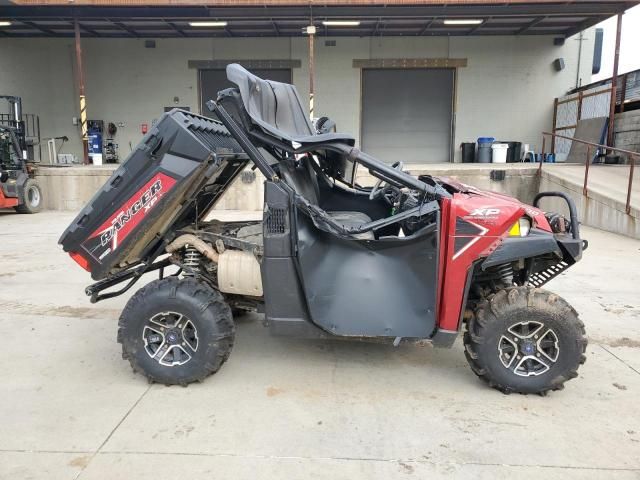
<point x="499" y="152"/>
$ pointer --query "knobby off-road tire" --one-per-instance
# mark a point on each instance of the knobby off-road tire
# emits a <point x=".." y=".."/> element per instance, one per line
<point x="520" y="323"/>
<point x="176" y="331"/>
<point x="32" y="198"/>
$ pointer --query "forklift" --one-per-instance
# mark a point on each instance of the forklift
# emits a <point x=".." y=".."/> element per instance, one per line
<point x="18" y="187"/>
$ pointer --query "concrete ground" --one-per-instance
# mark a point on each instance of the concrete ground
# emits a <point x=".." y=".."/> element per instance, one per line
<point x="284" y="408"/>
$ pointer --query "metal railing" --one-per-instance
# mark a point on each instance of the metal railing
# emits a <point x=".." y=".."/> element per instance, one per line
<point x="592" y="148"/>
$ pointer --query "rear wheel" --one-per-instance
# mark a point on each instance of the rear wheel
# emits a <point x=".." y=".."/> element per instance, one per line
<point x="176" y="331"/>
<point x="31" y="201"/>
<point x="525" y="340"/>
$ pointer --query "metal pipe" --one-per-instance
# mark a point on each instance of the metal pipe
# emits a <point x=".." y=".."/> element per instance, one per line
<point x="311" y="72"/>
<point x="580" y="40"/>
<point x="555" y="124"/>
<point x="630" y="153"/>
<point x="586" y="170"/>
<point x="614" y="82"/>
<point x="631" y="169"/>
<point x="544" y="141"/>
<point x="187" y="239"/>
<point x="597" y="145"/>
<point x="83" y="100"/>
<point x="579" y="113"/>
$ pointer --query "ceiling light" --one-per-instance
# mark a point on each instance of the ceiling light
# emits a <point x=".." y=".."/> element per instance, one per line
<point x="208" y="24"/>
<point x="341" y="23"/>
<point x="4" y="23"/>
<point x="462" y="21"/>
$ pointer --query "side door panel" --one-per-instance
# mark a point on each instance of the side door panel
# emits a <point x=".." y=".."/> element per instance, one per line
<point x="370" y="288"/>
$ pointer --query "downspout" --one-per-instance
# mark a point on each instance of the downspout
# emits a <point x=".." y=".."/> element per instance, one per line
<point x="580" y="40"/>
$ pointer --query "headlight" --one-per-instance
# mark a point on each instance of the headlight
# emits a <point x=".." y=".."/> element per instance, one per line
<point x="520" y="228"/>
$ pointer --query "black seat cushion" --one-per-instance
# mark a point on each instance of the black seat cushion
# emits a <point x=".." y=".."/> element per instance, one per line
<point x="276" y="108"/>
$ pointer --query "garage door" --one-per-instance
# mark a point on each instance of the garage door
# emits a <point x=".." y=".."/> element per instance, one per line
<point x="406" y="114"/>
<point x="212" y="81"/>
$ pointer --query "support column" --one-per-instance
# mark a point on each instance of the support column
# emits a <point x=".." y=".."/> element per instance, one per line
<point x="311" y="32"/>
<point x="614" y="83"/>
<point x="83" y="100"/>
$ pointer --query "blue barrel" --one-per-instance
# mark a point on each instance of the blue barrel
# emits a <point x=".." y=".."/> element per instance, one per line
<point x="484" y="149"/>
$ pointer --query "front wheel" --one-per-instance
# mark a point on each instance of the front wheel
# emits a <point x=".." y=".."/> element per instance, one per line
<point x="31" y="201"/>
<point x="525" y="340"/>
<point x="176" y="331"/>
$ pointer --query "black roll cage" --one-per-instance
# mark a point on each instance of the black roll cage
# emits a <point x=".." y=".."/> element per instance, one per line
<point x="376" y="168"/>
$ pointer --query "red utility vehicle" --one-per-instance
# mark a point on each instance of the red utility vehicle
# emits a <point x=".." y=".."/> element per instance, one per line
<point x="408" y="260"/>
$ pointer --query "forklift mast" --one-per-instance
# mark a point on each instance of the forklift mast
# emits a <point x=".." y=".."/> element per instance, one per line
<point x="15" y="122"/>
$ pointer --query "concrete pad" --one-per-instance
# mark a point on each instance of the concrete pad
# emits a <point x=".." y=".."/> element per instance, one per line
<point x="39" y="465"/>
<point x="32" y="259"/>
<point x="269" y="468"/>
<point x="287" y="408"/>
<point x="361" y="401"/>
<point x="68" y="387"/>
<point x="603" y="287"/>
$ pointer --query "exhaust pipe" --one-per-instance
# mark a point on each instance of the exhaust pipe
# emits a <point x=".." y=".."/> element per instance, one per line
<point x="187" y="239"/>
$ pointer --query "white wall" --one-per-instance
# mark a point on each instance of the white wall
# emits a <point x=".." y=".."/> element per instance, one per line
<point x="506" y="90"/>
<point x="41" y="73"/>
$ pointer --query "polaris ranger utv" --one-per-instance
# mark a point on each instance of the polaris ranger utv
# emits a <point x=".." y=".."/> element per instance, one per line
<point x="408" y="260"/>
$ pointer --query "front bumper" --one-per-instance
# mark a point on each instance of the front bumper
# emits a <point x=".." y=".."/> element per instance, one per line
<point x="570" y="243"/>
<point x="546" y="254"/>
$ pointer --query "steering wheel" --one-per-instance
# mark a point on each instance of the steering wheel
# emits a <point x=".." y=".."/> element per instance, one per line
<point x="378" y="189"/>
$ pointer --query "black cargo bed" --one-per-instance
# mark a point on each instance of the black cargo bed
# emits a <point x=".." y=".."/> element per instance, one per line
<point x="171" y="180"/>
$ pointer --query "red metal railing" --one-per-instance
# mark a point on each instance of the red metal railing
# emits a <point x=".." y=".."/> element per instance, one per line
<point x="590" y="148"/>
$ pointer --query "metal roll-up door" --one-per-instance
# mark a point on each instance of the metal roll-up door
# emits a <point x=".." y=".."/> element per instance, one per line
<point x="407" y="114"/>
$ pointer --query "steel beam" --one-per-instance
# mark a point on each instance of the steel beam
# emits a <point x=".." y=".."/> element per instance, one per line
<point x="122" y="26"/>
<point x="176" y="28"/>
<point x="311" y="72"/>
<point x="83" y="100"/>
<point x="44" y="30"/>
<point x="614" y="83"/>
<point x="479" y="26"/>
<point x="598" y="9"/>
<point x="531" y="25"/>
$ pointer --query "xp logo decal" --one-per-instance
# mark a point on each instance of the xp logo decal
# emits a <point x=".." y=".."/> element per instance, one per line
<point x="484" y="212"/>
<point x="110" y="235"/>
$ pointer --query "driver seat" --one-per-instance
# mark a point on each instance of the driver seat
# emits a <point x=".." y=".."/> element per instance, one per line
<point x="302" y="178"/>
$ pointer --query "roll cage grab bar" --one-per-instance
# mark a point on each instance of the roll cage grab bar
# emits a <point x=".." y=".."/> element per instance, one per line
<point x="376" y="168"/>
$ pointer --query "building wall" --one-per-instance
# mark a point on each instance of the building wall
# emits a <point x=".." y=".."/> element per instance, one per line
<point x="506" y="90"/>
<point x="627" y="131"/>
<point x="72" y="187"/>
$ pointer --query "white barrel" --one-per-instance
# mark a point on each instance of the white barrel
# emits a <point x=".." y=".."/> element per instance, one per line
<point x="499" y="152"/>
